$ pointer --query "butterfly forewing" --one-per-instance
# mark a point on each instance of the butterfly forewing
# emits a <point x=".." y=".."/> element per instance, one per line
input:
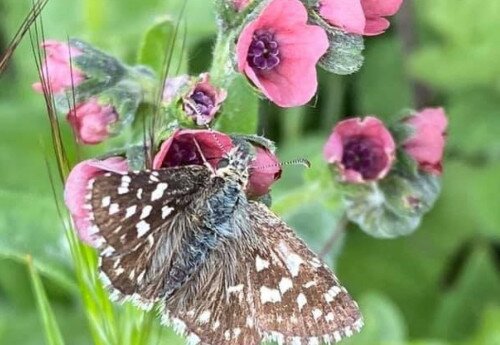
<point x="131" y="213"/>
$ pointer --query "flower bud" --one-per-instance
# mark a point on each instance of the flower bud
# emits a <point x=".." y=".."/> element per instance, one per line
<point x="362" y="150"/>
<point x="203" y="101"/>
<point x="364" y="17"/>
<point x="265" y="169"/>
<point x="57" y="69"/>
<point x="426" y="144"/>
<point x="76" y="189"/>
<point x="91" y="121"/>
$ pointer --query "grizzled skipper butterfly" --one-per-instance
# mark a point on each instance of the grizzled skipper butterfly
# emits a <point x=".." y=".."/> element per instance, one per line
<point x="225" y="270"/>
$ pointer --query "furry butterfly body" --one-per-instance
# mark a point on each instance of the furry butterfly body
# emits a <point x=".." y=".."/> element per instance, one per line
<point x="223" y="269"/>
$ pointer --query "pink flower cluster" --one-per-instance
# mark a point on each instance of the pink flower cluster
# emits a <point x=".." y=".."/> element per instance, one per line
<point x="90" y="120"/>
<point x="279" y="50"/>
<point x="178" y="150"/>
<point x="364" y="150"/>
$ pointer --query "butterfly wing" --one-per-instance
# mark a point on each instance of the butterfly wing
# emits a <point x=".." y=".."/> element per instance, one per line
<point x="268" y="286"/>
<point x="297" y="299"/>
<point x="132" y="215"/>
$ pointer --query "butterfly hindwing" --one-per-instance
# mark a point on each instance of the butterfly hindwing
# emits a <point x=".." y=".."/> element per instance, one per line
<point x="132" y="214"/>
<point x="297" y="299"/>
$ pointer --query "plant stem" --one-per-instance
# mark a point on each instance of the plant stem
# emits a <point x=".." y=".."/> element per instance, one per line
<point x="336" y="233"/>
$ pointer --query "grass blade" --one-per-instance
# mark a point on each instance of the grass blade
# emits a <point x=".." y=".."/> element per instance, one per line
<point x="52" y="332"/>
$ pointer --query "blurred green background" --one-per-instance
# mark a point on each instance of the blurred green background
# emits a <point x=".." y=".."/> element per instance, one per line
<point x="438" y="286"/>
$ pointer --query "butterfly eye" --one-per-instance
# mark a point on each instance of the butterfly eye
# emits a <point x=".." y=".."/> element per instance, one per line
<point x="224" y="162"/>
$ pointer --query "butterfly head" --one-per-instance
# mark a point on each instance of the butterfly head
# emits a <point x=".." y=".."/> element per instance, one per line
<point x="234" y="165"/>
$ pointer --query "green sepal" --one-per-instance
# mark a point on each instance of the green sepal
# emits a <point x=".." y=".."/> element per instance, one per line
<point x="392" y="207"/>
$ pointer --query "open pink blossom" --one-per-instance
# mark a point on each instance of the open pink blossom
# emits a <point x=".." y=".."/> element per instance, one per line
<point x="203" y="101"/>
<point x="362" y="149"/>
<point x="363" y="17"/>
<point x="76" y="189"/>
<point x="180" y="148"/>
<point x="265" y="169"/>
<point x="426" y="144"/>
<point x="57" y="70"/>
<point x="91" y="120"/>
<point x="278" y="52"/>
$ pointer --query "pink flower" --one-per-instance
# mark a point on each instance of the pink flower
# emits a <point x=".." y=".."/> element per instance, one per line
<point x="57" y="69"/>
<point x="364" y="17"/>
<point x="362" y="149"/>
<point x="76" y="189"/>
<point x="426" y="145"/>
<point x="278" y="52"/>
<point x="265" y="169"/>
<point x="240" y="5"/>
<point x="180" y="148"/>
<point x="90" y="121"/>
<point x="203" y="101"/>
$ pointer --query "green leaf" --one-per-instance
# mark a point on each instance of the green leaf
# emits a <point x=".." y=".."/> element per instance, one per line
<point x="382" y="86"/>
<point x="477" y="287"/>
<point x="156" y="48"/>
<point x="52" y="331"/>
<point x="384" y="323"/>
<point x="38" y="233"/>
<point x="240" y="110"/>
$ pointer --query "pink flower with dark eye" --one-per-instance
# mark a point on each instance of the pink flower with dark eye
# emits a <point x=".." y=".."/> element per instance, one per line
<point x="363" y="17"/>
<point x="203" y="101"/>
<point x="76" y="189"/>
<point x="91" y="120"/>
<point x="362" y="149"/>
<point x="181" y="149"/>
<point x="265" y="169"/>
<point x="278" y="52"/>
<point x="57" y="70"/>
<point x="426" y="144"/>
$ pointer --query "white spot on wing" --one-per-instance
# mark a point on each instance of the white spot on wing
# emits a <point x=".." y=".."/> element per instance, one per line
<point x="337" y="336"/>
<point x="309" y="284"/>
<point x="313" y="341"/>
<point x="123" y="190"/>
<point x="285" y="285"/>
<point x="114" y="208"/>
<point x="329" y="317"/>
<point x="292" y="260"/>
<point x="317" y="313"/>
<point x="332" y="293"/>
<point x="165" y="211"/>
<point x="235" y="288"/>
<point x="139" y="193"/>
<point x="106" y="201"/>
<point x="301" y="300"/>
<point x="146" y="211"/>
<point x="142" y="228"/>
<point x="261" y="264"/>
<point x="204" y="317"/>
<point x="269" y="295"/>
<point x="158" y="192"/>
<point x="130" y="211"/>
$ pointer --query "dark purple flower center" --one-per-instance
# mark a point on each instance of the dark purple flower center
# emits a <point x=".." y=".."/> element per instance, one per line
<point x="365" y="156"/>
<point x="264" y="53"/>
<point x="202" y="103"/>
<point x="182" y="153"/>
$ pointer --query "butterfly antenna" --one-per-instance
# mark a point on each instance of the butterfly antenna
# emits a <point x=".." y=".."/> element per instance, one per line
<point x="28" y="21"/>
<point x="299" y="161"/>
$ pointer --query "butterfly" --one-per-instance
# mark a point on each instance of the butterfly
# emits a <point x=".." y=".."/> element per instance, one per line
<point x="224" y="269"/>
